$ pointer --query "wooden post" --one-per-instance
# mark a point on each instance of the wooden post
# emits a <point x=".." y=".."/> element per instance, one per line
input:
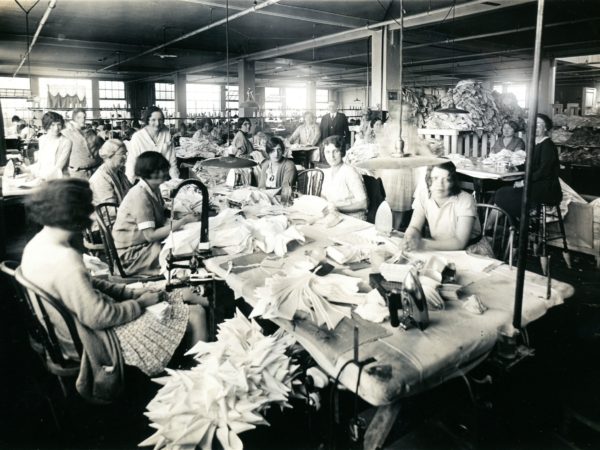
<point x="523" y="232"/>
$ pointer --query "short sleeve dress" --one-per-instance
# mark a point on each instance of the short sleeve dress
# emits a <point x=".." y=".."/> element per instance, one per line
<point x="140" y="210"/>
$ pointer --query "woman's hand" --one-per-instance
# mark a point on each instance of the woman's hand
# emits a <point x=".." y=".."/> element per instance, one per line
<point x="189" y="296"/>
<point x="150" y="298"/>
<point x="412" y="240"/>
<point x="188" y="218"/>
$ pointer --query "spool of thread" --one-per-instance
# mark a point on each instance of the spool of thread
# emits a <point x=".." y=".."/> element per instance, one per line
<point x="318" y="377"/>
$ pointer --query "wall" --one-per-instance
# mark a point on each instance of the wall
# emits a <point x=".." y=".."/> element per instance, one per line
<point x="346" y="97"/>
<point x="572" y="93"/>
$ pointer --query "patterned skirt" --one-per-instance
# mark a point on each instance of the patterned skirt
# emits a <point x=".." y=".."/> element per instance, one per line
<point x="148" y="342"/>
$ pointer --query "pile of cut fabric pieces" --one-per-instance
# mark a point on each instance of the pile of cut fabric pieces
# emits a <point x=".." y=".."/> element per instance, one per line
<point x="192" y="148"/>
<point x="236" y="380"/>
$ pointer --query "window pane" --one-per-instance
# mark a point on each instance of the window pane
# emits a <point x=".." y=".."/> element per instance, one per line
<point x="203" y="99"/>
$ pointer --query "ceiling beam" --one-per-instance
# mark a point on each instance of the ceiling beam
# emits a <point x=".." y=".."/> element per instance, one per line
<point x="296" y="13"/>
<point x="202" y="29"/>
<point x="413" y="21"/>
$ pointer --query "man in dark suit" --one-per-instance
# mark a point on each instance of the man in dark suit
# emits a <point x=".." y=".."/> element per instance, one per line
<point x="335" y="123"/>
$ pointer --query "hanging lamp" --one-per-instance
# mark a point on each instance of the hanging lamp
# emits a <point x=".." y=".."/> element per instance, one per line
<point x="452" y="109"/>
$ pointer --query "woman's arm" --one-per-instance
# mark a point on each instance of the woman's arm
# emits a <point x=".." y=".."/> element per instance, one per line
<point x="358" y="195"/>
<point x="172" y="158"/>
<point x="464" y="225"/>
<point x="158" y="234"/>
<point x="413" y="234"/>
<point x="63" y="155"/>
<point x="133" y="151"/>
<point x="290" y="174"/>
<point x="89" y="306"/>
<point x="262" y="181"/>
<point x="317" y="136"/>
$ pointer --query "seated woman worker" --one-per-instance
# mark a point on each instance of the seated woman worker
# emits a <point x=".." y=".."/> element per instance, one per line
<point x="450" y="212"/>
<point x="343" y="186"/>
<point x="104" y="311"/>
<point x="141" y="225"/>
<point x="276" y="171"/>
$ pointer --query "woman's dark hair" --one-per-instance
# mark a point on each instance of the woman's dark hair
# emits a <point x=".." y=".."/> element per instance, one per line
<point x="204" y="121"/>
<point x="77" y="111"/>
<point x="514" y="125"/>
<point x="15" y="119"/>
<point x="128" y="134"/>
<point x="338" y="142"/>
<point x="454" y="187"/>
<point x="149" y="164"/>
<point x="374" y="121"/>
<point x="272" y="143"/>
<point x="241" y="121"/>
<point x="149" y="111"/>
<point x="64" y="203"/>
<point x="546" y="119"/>
<point x="51" y="117"/>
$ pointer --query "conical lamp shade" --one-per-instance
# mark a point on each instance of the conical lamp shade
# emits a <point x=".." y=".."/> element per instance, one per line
<point x="228" y="162"/>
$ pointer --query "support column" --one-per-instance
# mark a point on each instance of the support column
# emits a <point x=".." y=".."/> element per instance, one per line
<point x="311" y="96"/>
<point x="180" y="80"/>
<point x="223" y="111"/>
<point x="246" y="81"/>
<point x="385" y="69"/>
<point x="95" y="98"/>
<point x="547" y="85"/>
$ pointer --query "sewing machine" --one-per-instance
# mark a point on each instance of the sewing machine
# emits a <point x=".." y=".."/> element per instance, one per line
<point x="407" y="296"/>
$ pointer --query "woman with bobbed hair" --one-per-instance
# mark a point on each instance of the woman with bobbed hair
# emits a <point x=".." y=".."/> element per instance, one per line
<point x="508" y="140"/>
<point x="276" y="171"/>
<point x="141" y="225"/>
<point x="155" y="136"/>
<point x="205" y="126"/>
<point x="450" y="213"/>
<point x="55" y="149"/>
<point x="241" y="141"/>
<point x="343" y="186"/>
<point x="109" y="183"/>
<point x="51" y="263"/>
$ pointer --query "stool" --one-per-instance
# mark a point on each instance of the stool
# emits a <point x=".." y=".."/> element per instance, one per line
<point x="542" y="235"/>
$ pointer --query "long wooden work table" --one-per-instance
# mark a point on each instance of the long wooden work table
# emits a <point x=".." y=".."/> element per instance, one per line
<point x="406" y="361"/>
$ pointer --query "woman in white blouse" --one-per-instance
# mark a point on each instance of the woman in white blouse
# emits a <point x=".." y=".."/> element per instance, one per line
<point x="55" y="149"/>
<point x="155" y="136"/>
<point x="343" y="186"/>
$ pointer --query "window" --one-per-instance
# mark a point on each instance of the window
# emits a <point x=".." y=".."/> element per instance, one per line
<point x="14" y="93"/>
<point x="232" y="99"/>
<point x="519" y="90"/>
<point x="295" y="101"/>
<point x="273" y="103"/>
<point x="50" y="87"/>
<point x="165" y="97"/>
<point x="322" y="100"/>
<point x="203" y="99"/>
<point x="112" y="99"/>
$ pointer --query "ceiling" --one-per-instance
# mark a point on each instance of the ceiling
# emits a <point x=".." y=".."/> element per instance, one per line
<point x="477" y="38"/>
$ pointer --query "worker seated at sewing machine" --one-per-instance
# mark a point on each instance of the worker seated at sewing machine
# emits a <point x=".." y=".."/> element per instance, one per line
<point x="141" y="224"/>
<point x="147" y="335"/>
<point x="450" y="212"/>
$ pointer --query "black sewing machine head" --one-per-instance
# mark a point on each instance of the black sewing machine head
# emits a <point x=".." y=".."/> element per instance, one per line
<point x="407" y="296"/>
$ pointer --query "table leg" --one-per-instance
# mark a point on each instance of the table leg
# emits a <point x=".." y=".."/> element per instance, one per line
<point x="381" y="425"/>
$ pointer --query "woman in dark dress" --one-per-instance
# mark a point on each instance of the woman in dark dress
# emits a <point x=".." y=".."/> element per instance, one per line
<point x="545" y="185"/>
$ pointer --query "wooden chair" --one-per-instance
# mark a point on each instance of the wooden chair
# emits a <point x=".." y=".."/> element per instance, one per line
<point x="106" y="214"/>
<point x="498" y="227"/>
<point x="310" y="182"/>
<point x="37" y="304"/>
<point x="375" y="196"/>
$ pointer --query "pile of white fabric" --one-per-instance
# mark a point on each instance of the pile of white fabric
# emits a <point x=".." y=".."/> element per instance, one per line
<point x="191" y="148"/>
<point x="301" y="290"/>
<point x="235" y="234"/>
<point x="515" y="158"/>
<point x="238" y="377"/>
